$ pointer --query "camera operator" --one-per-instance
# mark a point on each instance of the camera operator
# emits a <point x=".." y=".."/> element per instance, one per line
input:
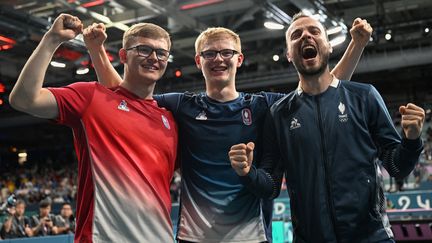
<point x="16" y="224"/>
<point x="65" y="221"/>
<point x="42" y="223"/>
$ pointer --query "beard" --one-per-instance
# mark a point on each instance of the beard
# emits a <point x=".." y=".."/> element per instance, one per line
<point x="312" y="71"/>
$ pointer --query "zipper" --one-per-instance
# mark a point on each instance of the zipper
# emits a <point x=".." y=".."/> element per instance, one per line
<point x="329" y="200"/>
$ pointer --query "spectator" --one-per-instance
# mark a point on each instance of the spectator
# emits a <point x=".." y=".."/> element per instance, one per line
<point x="64" y="222"/>
<point x="16" y="224"/>
<point x="42" y="223"/>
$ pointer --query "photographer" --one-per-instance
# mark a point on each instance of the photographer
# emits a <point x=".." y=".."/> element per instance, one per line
<point x="16" y="225"/>
<point x="64" y="222"/>
<point x="42" y="224"/>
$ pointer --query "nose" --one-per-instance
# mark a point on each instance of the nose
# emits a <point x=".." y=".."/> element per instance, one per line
<point x="218" y="57"/>
<point x="152" y="57"/>
<point x="306" y="35"/>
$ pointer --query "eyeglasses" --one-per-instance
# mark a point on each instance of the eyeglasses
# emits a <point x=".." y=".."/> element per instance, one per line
<point x="225" y="54"/>
<point x="146" y="51"/>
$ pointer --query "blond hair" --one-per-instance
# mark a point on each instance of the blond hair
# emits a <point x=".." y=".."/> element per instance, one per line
<point x="146" y="30"/>
<point x="215" y="33"/>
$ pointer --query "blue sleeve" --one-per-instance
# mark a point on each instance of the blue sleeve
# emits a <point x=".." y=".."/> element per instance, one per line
<point x="398" y="155"/>
<point x="265" y="181"/>
<point x="169" y="101"/>
<point x="271" y="98"/>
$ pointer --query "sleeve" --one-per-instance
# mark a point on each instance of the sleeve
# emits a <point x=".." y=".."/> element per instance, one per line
<point x="170" y="101"/>
<point x="272" y="98"/>
<point x="266" y="179"/>
<point x="398" y="156"/>
<point x="34" y="221"/>
<point x="72" y="101"/>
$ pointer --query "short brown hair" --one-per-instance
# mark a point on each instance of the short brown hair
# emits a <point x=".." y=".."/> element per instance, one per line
<point x="300" y="15"/>
<point x="146" y="30"/>
<point x="216" y="33"/>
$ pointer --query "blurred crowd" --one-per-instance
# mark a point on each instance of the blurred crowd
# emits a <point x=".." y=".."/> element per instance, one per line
<point x="18" y="225"/>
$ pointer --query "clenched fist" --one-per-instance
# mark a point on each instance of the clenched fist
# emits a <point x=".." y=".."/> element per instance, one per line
<point x="94" y="35"/>
<point x="241" y="157"/>
<point x="412" y="120"/>
<point x="361" y="31"/>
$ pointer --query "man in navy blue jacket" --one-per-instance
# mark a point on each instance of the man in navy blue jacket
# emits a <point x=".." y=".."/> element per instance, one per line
<point x="330" y="137"/>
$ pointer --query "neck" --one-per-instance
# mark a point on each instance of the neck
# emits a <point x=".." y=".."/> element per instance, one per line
<point x="316" y="84"/>
<point x="222" y="94"/>
<point x="142" y="90"/>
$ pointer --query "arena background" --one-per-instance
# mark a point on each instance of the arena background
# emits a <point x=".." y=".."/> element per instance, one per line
<point x="37" y="158"/>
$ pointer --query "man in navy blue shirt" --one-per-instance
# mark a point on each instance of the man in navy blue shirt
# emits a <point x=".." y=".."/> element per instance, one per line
<point x="215" y="205"/>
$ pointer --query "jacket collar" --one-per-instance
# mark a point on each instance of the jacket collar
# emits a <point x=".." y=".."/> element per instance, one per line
<point x="335" y="83"/>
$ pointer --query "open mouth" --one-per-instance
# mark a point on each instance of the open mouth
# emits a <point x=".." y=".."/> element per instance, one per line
<point x="309" y="52"/>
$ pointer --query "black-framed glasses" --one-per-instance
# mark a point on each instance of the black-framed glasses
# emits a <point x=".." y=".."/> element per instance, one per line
<point x="146" y="51"/>
<point x="225" y="54"/>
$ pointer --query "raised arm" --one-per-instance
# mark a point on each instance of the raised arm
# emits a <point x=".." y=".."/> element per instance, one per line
<point x="94" y="37"/>
<point x="28" y="95"/>
<point x="361" y="32"/>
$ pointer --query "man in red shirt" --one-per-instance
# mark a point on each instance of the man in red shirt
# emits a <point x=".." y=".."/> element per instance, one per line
<point x="126" y="144"/>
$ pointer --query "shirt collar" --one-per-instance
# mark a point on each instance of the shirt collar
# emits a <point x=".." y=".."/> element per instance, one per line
<point x="335" y="83"/>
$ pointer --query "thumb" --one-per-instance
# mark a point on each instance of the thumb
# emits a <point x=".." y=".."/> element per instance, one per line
<point x="402" y="109"/>
<point x="250" y="146"/>
<point x="249" y="152"/>
<point x="356" y="21"/>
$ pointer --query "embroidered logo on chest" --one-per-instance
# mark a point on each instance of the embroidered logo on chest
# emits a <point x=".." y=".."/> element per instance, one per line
<point x="166" y="122"/>
<point x="247" y="116"/>
<point x="343" y="117"/>
<point x="202" y="116"/>
<point x="123" y="106"/>
<point x="294" y="124"/>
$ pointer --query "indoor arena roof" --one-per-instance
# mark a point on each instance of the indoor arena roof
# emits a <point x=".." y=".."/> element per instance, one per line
<point x="407" y="55"/>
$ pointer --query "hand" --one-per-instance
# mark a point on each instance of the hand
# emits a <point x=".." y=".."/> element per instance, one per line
<point x="412" y="120"/>
<point x="94" y="35"/>
<point x="48" y="222"/>
<point x="65" y="27"/>
<point x="361" y="31"/>
<point x="241" y="157"/>
<point x="11" y="211"/>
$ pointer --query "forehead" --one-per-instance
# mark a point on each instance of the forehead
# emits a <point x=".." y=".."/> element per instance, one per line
<point x="219" y="42"/>
<point x="20" y="205"/>
<point x="303" y="23"/>
<point x="155" y="43"/>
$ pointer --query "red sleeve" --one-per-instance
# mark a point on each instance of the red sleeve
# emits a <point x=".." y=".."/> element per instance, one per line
<point x="72" y="101"/>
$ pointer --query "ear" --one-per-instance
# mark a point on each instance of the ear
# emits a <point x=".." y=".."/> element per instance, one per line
<point x="288" y="56"/>
<point x="122" y="55"/>
<point x="240" y="59"/>
<point x="198" y="61"/>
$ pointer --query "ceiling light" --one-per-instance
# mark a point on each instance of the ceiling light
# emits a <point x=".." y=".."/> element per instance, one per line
<point x="82" y="70"/>
<point x="426" y="30"/>
<point x="275" y="57"/>
<point x="338" y="40"/>
<point x="273" y="25"/>
<point x="388" y="36"/>
<point x="58" y="64"/>
<point x="307" y="11"/>
<point x="334" y="30"/>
